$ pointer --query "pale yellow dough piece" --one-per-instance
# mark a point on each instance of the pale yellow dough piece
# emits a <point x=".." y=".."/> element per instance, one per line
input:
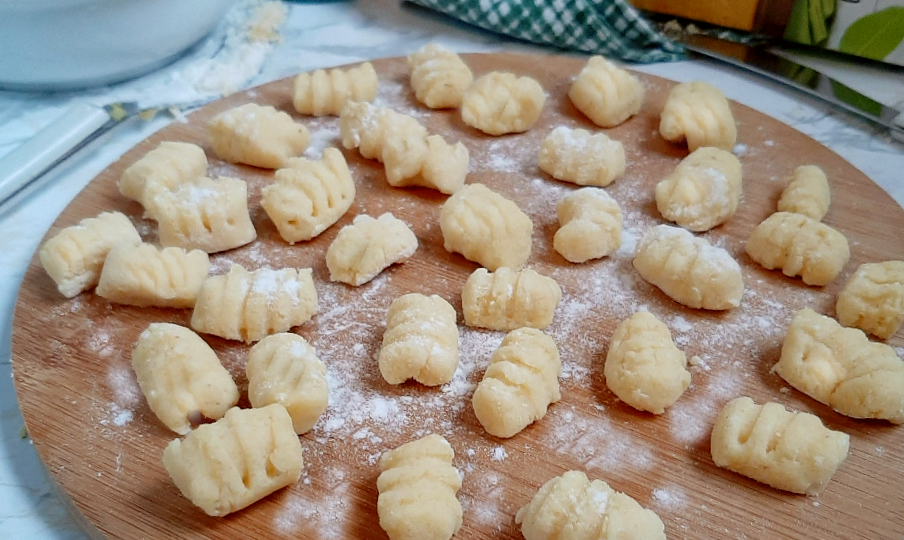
<point x="574" y="155"/>
<point x="248" y="306"/>
<point x="162" y="169"/>
<point x="699" y="113"/>
<point x="807" y="193"/>
<point x="309" y="196"/>
<point x="786" y="450"/>
<point x="486" y="228"/>
<point x="206" y="214"/>
<point x="873" y="299"/>
<point x="606" y="93"/>
<point x="643" y="367"/>
<point x="418" y="487"/>
<point x="420" y="341"/>
<point x="145" y="275"/>
<point x="590" y="225"/>
<point x="703" y="191"/>
<point x="75" y="256"/>
<point x="506" y="299"/>
<point x="520" y="383"/>
<point x="283" y="368"/>
<point x="571" y="507"/>
<point x="181" y="376"/>
<point x="689" y="269"/>
<point x="236" y="461"/>
<point x="325" y="92"/>
<point x="799" y="246"/>
<point x="439" y="77"/>
<point x="367" y="246"/>
<point x="842" y="368"/>
<point x="499" y="103"/>
<point x="257" y="135"/>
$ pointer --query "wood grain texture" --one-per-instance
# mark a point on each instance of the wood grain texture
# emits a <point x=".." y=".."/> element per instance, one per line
<point x="95" y="433"/>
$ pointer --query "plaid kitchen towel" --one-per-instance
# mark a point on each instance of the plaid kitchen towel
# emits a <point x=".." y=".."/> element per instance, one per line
<point x="612" y="28"/>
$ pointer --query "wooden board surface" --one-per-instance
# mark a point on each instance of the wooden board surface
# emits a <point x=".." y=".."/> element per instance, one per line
<point x="93" y="430"/>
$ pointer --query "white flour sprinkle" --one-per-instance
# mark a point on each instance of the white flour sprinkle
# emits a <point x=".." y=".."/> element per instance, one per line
<point x="499" y="454"/>
<point x="672" y="498"/>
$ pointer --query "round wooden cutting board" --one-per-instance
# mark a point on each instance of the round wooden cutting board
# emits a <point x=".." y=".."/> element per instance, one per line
<point x="94" y="431"/>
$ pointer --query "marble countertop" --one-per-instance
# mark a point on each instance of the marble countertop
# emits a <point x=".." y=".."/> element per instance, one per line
<point x="317" y="35"/>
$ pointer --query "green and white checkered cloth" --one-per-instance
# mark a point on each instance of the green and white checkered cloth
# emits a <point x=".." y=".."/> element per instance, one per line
<point x="612" y="28"/>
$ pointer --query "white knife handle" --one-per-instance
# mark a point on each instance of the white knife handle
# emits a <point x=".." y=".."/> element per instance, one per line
<point x="37" y="154"/>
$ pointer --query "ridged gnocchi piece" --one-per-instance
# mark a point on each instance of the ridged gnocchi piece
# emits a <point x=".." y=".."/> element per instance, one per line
<point x="842" y="368"/>
<point x="486" y="228"/>
<point x="520" y="383"/>
<point x="607" y="94"/>
<point x="206" y="214"/>
<point x="590" y="225"/>
<point x="439" y="77"/>
<point x="325" y="92"/>
<point x="162" y="169"/>
<point x="574" y="155"/>
<point x="698" y="113"/>
<point x="807" y="193"/>
<point x="499" y="103"/>
<point x="75" y="256"/>
<point x="236" y="461"/>
<point x="248" y="306"/>
<point x="689" y="269"/>
<point x="786" y="450"/>
<point x="873" y="299"/>
<point x="181" y="376"/>
<point x="145" y="275"/>
<point x="506" y="299"/>
<point x="643" y="367"/>
<point x="418" y="487"/>
<point x="703" y="191"/>
<point x="420" y="341"/>
<point x="367" y="246"/>
<point x="571" y="507"/>
<point x="257" y="135"/>
<point x="799" y="246"/>
<point x="401" y="143"/>
<point x="283" y="368"/>
<point x="309" y="196"/>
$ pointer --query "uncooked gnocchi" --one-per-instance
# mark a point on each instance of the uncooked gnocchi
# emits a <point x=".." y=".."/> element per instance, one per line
<point x="574" y="155"/>
<point x="418" y="487"/>
<point x="807" y="193"/>
<point x="367" y="246"/>
<point x="144" y="275"/>
<point x="309" y="196"/>
<point x="257" y="135"/>
<point x="873" y="299"/>
<point x="799" y="246"/>
<point x="689" y="269"/>
<point x="486" y="228"/>
<point x="643" y="367"/>
<point x="162" y="169"/>
<point x="439" y="77"/>
<point x="181" y="376"/>
<point x="786" y="450"/>
<point x="842" y="368"/>
<point x="703" y="191"/>
<point x="75" y="256"/>
<point x="248" y="306"/>
<point x="607" y="94"/>
<point x="325" y="92"/>
<point x="499" y="103"/>
<point x="699" y="113"/>
<point x="520" y="383"/>
<point x="283" y="368"/>
<point x="236" y="461"/>
<point x="571" y="507"/>
<point x="506" y="299"/>
<point x="420" y="341"/>
<point x="590" y="225"/>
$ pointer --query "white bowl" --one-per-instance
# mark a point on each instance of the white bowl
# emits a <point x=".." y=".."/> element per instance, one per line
<point x="66" y="44"/>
